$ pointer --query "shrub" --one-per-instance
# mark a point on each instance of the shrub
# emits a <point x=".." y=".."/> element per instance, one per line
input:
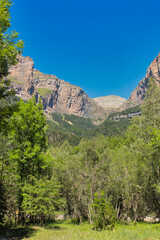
<point x="103" y="214"/>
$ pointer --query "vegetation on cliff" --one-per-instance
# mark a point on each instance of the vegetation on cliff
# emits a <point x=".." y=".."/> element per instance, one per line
<point x="73" y="128"/>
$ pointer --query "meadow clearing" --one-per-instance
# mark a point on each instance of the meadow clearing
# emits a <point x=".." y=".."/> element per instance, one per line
<point x="66" y="230"/>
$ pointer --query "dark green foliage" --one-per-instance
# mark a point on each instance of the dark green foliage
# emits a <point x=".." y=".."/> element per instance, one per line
<point x="3" y="206"/>
<point x="113" y="128"/>
<point x="7" y="106"/>
<point x="9" y="47"/>
<point x="28" y="141"/>
<point x="27" y="137"/>
<point x="56" y="136"/>
<point x="74" y="124"/>
<point x="29" y="192"/>
<point x="103" y="214"/>
<point x="41" y="199"/>
<point x="67" y="127"/>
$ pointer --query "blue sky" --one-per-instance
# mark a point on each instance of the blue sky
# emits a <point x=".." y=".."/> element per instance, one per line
<point x="102" y="46"/>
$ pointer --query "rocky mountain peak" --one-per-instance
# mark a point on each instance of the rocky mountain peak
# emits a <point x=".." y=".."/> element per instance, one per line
<point x="62" y="97"/>
<point x="110" y="103"/>
<point x="23" y="71"/>
<point x="153" y="71"/>
<point x="57" y="95"/>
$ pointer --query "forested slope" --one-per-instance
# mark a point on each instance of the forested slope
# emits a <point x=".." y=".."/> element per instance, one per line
<point x="74" y="128"/>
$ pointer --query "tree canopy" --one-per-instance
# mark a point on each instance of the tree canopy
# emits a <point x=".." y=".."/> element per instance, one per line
<point x="10" y="47"/>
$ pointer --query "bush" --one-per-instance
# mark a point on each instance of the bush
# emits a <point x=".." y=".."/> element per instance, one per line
<point x="103" y="214"/>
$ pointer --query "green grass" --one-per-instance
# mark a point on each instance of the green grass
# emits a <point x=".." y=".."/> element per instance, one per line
<point x="68" y="231"/>
<point x="43" y="91"/>
<point x="14" y="80"/>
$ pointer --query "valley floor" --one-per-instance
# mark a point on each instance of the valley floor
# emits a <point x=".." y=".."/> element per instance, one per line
<point x="69" y="231"/>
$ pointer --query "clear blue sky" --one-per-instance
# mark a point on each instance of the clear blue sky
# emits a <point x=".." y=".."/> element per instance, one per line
<point x="102" y="46"/>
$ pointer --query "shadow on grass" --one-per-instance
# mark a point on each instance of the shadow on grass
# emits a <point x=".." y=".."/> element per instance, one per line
<point x="54" y="225"/>
<point x="72" y="222"/>
<point x="17" y="233"/>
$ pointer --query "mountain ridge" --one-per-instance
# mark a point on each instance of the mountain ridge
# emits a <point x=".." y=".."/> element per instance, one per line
<point x="59" y="96"/>
<point x="111" y="102"/>
<point x="138" y="94"/>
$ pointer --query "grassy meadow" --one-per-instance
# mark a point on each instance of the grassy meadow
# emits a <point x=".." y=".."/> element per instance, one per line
<point x="69" y="231"/>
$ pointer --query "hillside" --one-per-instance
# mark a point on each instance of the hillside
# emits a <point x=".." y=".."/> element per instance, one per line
<point x="73" y="128"/>
<point x="116" y="123"/>
<point x="67" y="127"/>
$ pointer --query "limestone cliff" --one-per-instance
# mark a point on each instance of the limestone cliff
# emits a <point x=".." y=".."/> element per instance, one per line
<point x="110" y="103"/>
<point x="57" y="95"/>
<point x="63" y="97"/>
<point x="153" y="71"/>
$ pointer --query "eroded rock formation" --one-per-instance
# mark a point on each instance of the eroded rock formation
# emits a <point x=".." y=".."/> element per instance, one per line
<point x="57" y="95"/>
<point x="110" y="103"/>
<point x="137" y="96"/>
<point x="63" y="97"/>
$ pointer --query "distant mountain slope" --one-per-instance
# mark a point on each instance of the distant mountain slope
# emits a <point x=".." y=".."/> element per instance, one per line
<point x="110" y="103"/>
<point x="71" y="123"/>
<point x="73" y="128"/>
<point x="116" y="123"/>
<point x="57" y="95"/>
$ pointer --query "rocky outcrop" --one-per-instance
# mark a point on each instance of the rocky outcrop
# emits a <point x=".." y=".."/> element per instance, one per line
<point x="110" y="103"/>
<point x="57" y="95"/>
<point x="150" y="219"/>
<point x="125" y="116"/>
<point x="137" y="96"/>
<point x="21" y="77"/>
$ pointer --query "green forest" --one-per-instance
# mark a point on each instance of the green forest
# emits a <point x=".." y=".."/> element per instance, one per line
<point x="86" y="173"/>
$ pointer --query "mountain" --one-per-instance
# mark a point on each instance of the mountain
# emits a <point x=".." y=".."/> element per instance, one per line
<point x="137" y="96"/>
<point x="57" y="95"/>
<point x="67" y="106"/>
<point x="62" y="97"/>
<point x="115" y="103"/>
<point x="110" y="103"/>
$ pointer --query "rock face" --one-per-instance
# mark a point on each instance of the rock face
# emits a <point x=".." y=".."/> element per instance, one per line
<point x="63" y="97"/>
<point x="57" y="95"/>
<point x="21" y="77"/>
<point x="126" y="116"/>
<point x="110" y="103"/>
<point x="153" y="71"/>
